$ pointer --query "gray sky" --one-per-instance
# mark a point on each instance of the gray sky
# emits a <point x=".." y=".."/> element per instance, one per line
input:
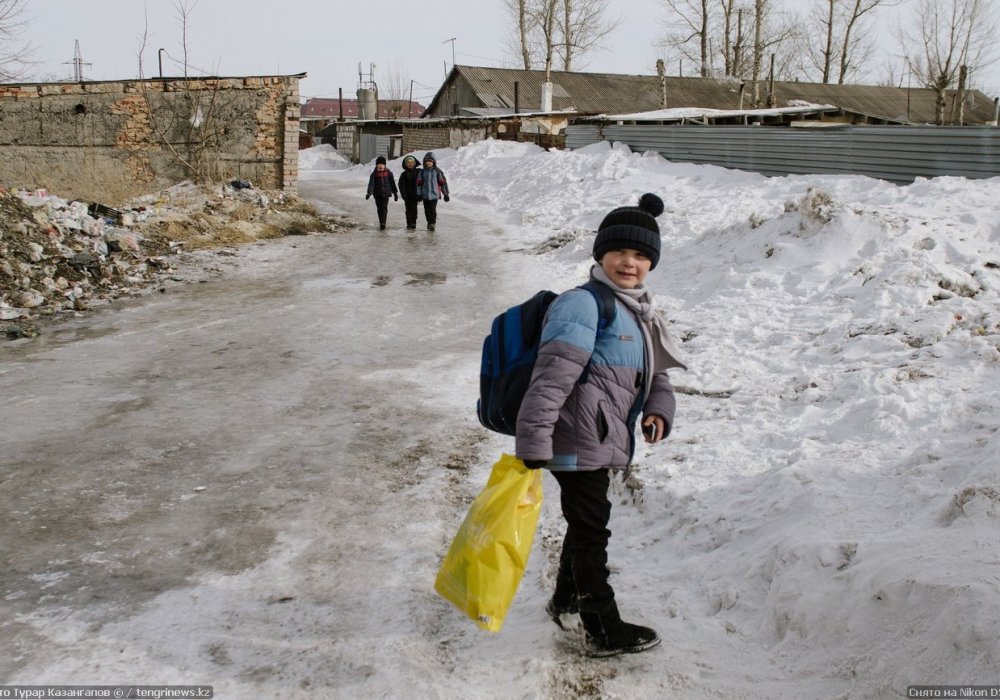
<point x="327" y="40"/>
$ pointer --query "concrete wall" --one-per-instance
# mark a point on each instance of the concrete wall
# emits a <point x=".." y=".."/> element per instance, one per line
<point x="108" y="141"/>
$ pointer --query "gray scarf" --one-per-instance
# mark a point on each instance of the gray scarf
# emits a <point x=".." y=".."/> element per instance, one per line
<point x="657" y="340"/>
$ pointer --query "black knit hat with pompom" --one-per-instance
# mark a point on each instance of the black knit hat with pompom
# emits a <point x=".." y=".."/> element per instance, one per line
<point x="632" y="227"/>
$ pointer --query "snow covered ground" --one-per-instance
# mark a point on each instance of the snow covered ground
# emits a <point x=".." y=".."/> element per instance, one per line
<point x="822" y="523"/>
<point x="824" y="517"/>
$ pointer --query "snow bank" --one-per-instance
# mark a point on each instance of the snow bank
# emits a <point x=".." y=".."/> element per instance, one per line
<point x="831" y="488"/>
<point x="322" y="157"/>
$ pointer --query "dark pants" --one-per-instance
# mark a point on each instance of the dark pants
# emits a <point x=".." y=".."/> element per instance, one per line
<point x="583" y="563"/>
<point x="382" y="207"/>
<point x="430" y="211"/>
<point x="411" y="211"/>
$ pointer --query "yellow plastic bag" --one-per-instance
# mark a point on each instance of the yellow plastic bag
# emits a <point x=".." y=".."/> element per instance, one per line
<point x="487" y="558"/>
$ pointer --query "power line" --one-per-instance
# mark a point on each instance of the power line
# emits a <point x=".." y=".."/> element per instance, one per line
<point x="481" y="58"/>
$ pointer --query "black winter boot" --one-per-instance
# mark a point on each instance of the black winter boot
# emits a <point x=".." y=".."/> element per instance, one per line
<point x="609" y="635"/>
<point x="556" y="609"/>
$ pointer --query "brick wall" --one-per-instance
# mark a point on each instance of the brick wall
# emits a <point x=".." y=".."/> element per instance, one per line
<point x="107" y="141"/>
<point x="426" y="138"/>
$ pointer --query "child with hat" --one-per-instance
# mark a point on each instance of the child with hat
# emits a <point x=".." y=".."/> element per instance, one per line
<point x="432" y="185"/>
<point x="382" y="185"/>
<point x="581" y="425"/>
<point x="408" y="189"/>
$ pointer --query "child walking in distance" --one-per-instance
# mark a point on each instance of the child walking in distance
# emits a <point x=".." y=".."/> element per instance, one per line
<point x="408" y="189"/>
<point x="382" y="185"/>
<point x="588" y="388"/>
<point x="431" y="186"/>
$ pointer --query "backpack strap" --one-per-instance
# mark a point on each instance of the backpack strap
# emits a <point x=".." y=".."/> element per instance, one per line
<point x="606" y="309"/>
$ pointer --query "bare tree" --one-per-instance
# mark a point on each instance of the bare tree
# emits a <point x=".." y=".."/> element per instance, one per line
<point x="948" y="36"/>
<point x="393" y="91"/>
<point x="838" y="42"/>
<point x="523" y="14"/>
<point x="190" y="129"/>
<point x="688" y="25"/>
<point x="15" y="58"/>
<point x="544" y="30"/>
<point x="735" y="38"/>
<point x="774" y="38"/>
<point x="583" y="24"/>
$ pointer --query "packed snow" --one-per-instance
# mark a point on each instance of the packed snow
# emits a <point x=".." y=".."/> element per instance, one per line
<point x="823" y="519"/>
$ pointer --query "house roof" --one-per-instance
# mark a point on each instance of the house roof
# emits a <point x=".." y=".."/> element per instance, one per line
<point x="608" y="93"/>
<point x="329" y="108"/>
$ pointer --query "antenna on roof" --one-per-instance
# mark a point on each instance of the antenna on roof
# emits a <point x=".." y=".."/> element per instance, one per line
<point x="368" y="84"/>
<point x="452" y="40"/>
<point x="78" y="63"/>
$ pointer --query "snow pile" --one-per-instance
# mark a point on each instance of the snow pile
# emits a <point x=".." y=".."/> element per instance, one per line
<point x="322" y="157"/>
<point x="832" y="487"/>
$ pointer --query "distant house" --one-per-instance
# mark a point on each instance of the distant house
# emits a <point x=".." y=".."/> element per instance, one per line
<point x="323" y="108"/>
<point x="481" y="92"/>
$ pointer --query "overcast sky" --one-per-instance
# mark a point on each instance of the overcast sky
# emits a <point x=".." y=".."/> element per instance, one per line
<point x="328" y="40"/>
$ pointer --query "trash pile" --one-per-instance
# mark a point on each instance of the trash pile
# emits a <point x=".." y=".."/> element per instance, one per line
<point x="62" y="257"/>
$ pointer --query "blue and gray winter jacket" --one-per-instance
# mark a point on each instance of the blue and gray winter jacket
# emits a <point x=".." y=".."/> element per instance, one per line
<point x="431" y="182"/>
<point x="589" y="425"/>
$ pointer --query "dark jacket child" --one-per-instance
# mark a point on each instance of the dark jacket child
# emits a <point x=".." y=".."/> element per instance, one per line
<point x="382" y="184"/>
<point x="408" y="189"/>
<point x="431" y="186"/>
<point x="582" y="426"/>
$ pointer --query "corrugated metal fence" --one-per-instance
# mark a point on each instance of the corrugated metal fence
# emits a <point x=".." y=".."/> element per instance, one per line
<point x="895" y="153"/>
<point x="373" y="145"/>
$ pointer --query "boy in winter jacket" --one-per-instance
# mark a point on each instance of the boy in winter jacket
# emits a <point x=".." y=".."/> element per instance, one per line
<point x="431" y="186"/>
<point x="580" y="426"/>
<point x="382" y="184"/>
<point x="408" y="189"/>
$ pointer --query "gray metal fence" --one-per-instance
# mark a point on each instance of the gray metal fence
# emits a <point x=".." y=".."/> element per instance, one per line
<point x="894" y="153"/>
<point x="374" y="145"/>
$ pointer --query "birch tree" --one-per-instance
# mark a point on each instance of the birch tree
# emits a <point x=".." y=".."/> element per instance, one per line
<point x="522" y="13"/>
<point x="838" y="41"/>
<point x="688" y="25"/>
<point x="736" y="26"/>
<point x="774" y="35"/>
<point x="544" y="30"/>
<point x="583" y="24"/>
<point x="945" y="37"/>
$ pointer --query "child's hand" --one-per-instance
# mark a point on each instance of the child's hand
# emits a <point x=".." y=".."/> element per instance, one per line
<point x="653" y="428"/>
<point x="368" y="196"/>
<point x="395" y="197"/>
<point x="447" y="198"/>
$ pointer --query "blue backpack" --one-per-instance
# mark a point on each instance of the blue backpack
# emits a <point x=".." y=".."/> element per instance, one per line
<point x="510" y="351"/>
